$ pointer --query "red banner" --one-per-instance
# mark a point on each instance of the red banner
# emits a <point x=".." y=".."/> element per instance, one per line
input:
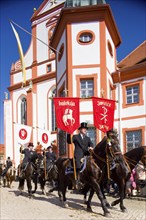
<point x="67" y="113"/>
<point x="103" y="110"/>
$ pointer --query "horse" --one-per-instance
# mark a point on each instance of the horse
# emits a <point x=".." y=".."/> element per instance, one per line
<point x="43" y="174"/>
<point x="132" y="158"/>
<point x="9" y="177"/>
<point x="68" y="116"/>
<point x="91" y="176"/>
<point x="118" y="174"/>
<point x="27" y="174"/>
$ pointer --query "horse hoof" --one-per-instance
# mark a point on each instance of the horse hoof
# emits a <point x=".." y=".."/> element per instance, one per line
<point x="89" y="209"/>
<point x="65" y="205"/>
<point x="107" y="215"/>
<point x="124" y="210"/>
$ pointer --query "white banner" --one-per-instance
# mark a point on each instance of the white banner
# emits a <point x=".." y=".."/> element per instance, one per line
<point x="44" y="137"/>
<point x="22" y="133"/>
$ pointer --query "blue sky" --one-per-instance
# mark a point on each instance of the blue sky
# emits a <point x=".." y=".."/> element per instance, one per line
<point x="130" y="17"/>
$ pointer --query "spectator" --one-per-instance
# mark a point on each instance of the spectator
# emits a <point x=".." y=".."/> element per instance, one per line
<point x="131" y="183"/>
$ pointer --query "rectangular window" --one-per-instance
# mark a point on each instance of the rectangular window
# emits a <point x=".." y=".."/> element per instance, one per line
<point x="49" y="68"/>
<point x="91" y="132"/>
<point x="86" y="88"/>
<point x="133" y="139"/>
<point x="132" y="94"/>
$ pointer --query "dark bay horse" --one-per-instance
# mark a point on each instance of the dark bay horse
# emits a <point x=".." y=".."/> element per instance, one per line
<point x="43" y="174"/>
<point x="103" y="156"/>
<point x="120" y="174"/>
<point x="133" y="157"/>
<point x="89" y="177"/>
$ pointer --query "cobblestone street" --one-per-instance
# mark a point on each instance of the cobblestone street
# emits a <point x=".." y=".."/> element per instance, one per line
<point x="19" y="207"/>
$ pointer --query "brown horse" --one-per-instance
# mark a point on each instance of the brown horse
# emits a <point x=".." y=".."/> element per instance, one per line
<point x="104" y="155"/>
<point x="133" y="157"/>
<point x="119" y="174"/>
<point x="91" y="176"/>
<point x="9" y="177"/>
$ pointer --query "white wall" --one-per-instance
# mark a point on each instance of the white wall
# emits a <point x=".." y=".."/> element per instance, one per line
<point x="89" y="54"/>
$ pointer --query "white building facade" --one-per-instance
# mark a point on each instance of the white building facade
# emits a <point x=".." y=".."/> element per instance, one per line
<point x="81" y="64"/>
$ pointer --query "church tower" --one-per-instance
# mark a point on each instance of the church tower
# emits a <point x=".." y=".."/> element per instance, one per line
<point x="86" y="38"/>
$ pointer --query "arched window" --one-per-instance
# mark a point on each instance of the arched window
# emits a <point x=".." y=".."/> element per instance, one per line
<point x="50" y="34"/>
<point x="23" y="111"/>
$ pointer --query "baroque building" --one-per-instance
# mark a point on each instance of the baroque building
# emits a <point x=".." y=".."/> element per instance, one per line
<point x="80" y="61"/>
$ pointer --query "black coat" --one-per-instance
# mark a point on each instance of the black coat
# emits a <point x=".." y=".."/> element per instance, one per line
<point x="27" y="154"/>
<point x="81" y="147"/>
<point x="50" y="158"/>
<point x="9" y="164"/>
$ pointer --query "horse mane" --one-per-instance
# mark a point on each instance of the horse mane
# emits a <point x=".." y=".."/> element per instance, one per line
<point x="136" y="152"/>
<point x="100" y="147"/>
<point x="134" y="156"/>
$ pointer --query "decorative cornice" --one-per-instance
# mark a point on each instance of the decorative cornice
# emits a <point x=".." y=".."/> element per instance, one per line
<point x="86" y="14"/>
<point x="34" y="81"/>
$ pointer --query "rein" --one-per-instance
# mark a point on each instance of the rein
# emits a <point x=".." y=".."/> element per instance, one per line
<point x="132" y="162"/>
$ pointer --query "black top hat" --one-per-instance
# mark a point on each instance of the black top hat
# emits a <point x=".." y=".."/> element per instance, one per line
<point x="49" y="147"/>
<point x="83" y="125"/>
<point x="30" y="145"/>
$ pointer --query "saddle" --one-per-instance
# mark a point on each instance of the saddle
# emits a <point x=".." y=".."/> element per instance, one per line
<point x="70" y="169"/>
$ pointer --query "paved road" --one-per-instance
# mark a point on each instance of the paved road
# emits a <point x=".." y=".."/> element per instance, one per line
<point x="20" y="207"/>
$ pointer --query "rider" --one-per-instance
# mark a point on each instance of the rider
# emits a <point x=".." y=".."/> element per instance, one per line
<point x="83" y="145"/>
<point x="28" y="152"/>
<point x="8" y="165"/>
<point x="50" y="156"/>
<point x="39" y="150"/>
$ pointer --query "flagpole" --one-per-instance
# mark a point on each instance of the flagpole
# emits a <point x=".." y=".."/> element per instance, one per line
<point x="45" y="164"/>
<point x="33" y="36"/>
<point x="74" y="164"/>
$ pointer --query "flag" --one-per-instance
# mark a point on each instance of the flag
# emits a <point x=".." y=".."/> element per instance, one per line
<point x="44" y="137"/>
<point x="22" y="133"/>
<point x="103" y="113"/>
<point x="20" y="53"/>
<point x="67" y="113"/>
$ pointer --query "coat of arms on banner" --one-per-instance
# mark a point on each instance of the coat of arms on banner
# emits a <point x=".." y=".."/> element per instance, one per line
<point x="68" y="118"/>
<point x="45" y="138"/>
<point x="23" y="134"/>
<point x="67" y="113"/>
<point x="103" y="111"/>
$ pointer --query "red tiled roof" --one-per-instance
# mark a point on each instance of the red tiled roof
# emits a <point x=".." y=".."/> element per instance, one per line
<point x="1" y="148"/>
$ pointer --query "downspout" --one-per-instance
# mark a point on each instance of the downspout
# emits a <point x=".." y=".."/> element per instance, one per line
<point x="119" y="109"/>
